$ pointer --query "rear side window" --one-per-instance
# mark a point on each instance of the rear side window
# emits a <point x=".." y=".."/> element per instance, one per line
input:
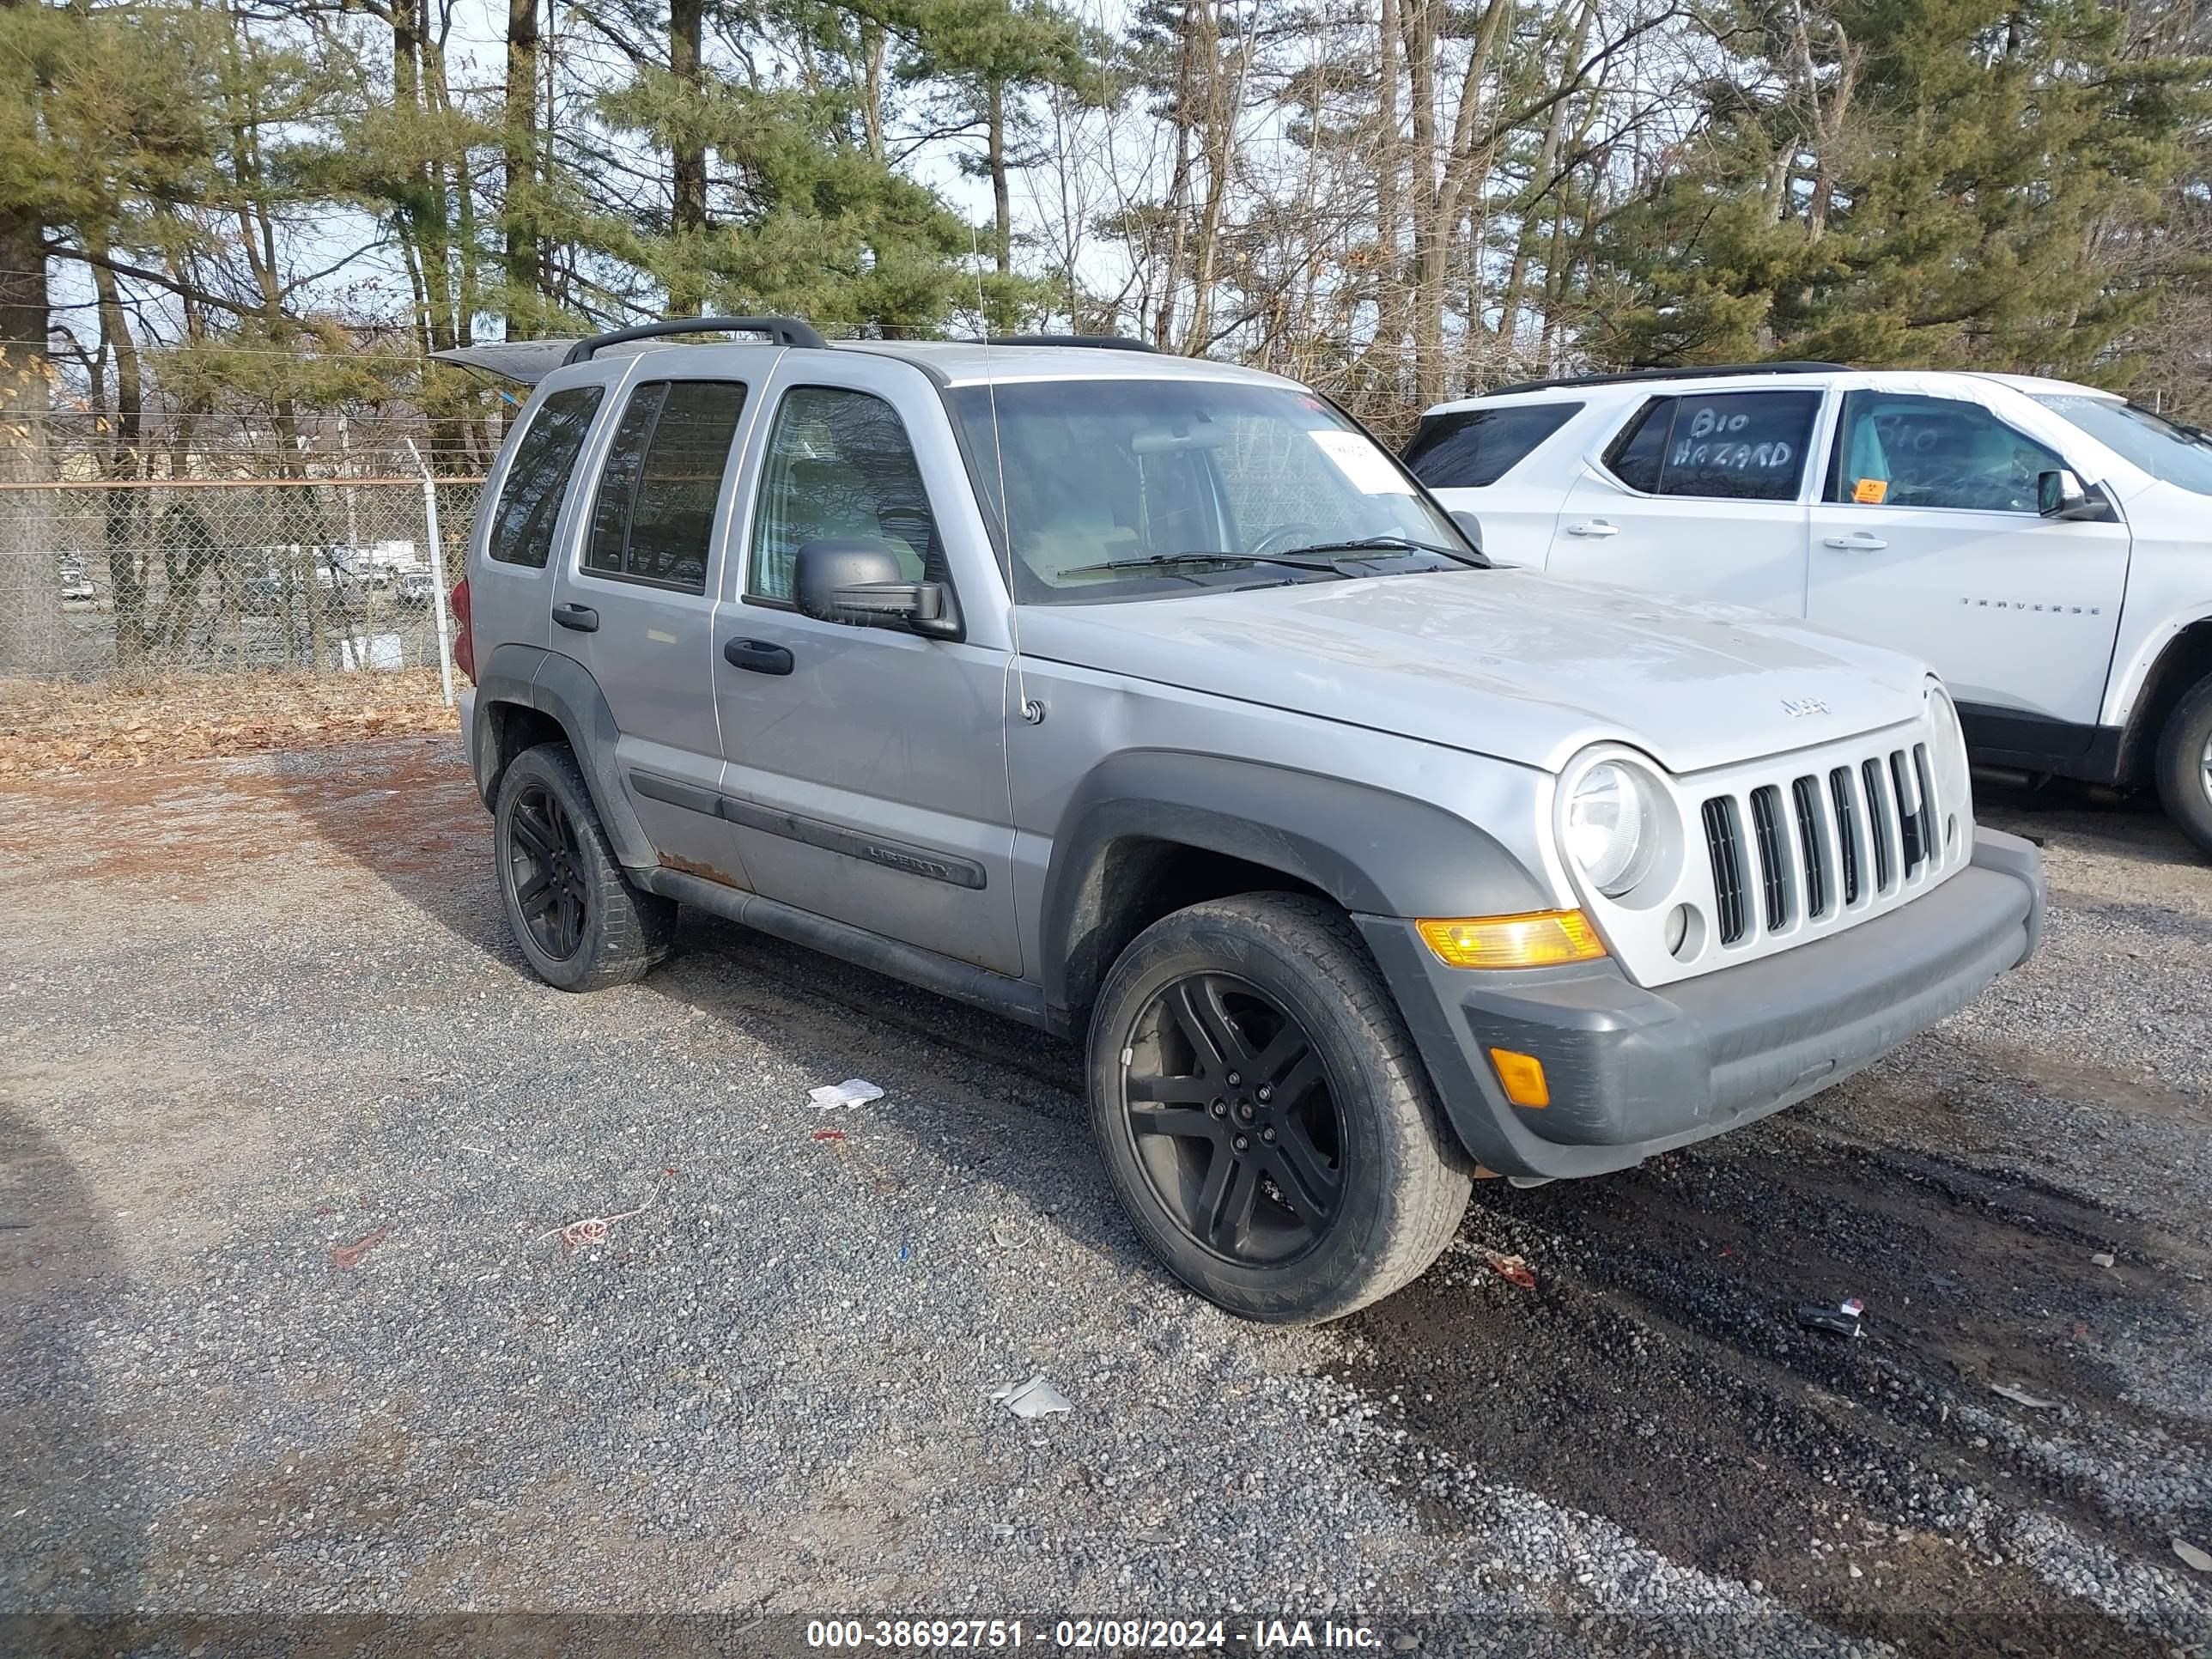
<point x="1468" y="448"/>
<point x="530" y="500"/>
<point x="655" y="509"/>
<point x="1730" y="445"/>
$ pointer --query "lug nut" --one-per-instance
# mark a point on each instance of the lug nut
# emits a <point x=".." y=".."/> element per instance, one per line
<point x="1265" y="1094"/>
<point x="1242" y="1143"/>
<point x="1221" y="1109"/>
<point x="1234" y="1079"/>
<point x="1267" y="1135"/>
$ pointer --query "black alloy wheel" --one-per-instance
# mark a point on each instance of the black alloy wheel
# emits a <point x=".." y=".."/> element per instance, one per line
<point x="580" y="922"/>
<point x="1263" y="1113"/>
<point x="1234" y="1121"/>
<point x="548" y="873"/>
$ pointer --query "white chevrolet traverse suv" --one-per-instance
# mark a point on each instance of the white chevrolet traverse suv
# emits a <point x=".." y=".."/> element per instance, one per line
<point x="2047" y="546"/>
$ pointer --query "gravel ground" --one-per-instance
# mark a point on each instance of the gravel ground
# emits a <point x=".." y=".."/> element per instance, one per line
<point x="289" y="1332"/>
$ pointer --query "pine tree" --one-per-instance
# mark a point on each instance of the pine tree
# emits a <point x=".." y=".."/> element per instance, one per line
<point x="777" y="202"/>
<point x="982" y="58"/>
<point x="1935" y="182"/>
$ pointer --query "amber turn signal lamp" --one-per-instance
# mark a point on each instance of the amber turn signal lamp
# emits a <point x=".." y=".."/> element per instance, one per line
<point x="1544" y="939"/>
<point x="1522" y="1075"/>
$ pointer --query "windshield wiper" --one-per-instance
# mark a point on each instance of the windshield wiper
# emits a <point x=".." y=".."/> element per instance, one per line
<point x="1397" y="544"/>
<point x="1170" y="563"/>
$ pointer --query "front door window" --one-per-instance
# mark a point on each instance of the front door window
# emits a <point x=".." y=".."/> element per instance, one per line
<point x="1896" y="449"/>
<point x="839" y="466"/>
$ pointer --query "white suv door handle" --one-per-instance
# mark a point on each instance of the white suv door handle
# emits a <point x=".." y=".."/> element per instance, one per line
<point x="1594" y="527"/>
<point x="1857" y="542"/>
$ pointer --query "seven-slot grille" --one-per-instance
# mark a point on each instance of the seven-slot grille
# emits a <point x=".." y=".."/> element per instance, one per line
<point x="1789" y="852"/>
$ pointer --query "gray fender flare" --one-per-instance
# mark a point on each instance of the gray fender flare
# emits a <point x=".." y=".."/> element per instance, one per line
<point x="1374" y="851"/>
<point x="563" y="687"/>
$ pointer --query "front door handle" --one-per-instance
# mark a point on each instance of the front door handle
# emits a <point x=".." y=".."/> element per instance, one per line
<point x="1857" y="542"/>
<point x="1594" y="528"/>
<point x="582" y="617"/>
<point x="758" y="656"/>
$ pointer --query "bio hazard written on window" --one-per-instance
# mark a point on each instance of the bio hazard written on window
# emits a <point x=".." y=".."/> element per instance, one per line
<point x="1744" y="446"/>
<point x="1724" y="440"/>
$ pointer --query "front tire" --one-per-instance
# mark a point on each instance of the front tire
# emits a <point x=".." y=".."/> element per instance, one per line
<point x="2184" y="765"/>
<point x="1263" y="1114"/>
<point x="580" y="924"/>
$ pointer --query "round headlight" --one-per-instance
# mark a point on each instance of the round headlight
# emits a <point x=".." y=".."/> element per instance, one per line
<point x="1949" y="733"/>
<point x="1954" y="777"/>
<point x="1611" y="827"/>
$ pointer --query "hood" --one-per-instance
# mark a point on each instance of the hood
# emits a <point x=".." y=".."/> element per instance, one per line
<point x="1510" y="663"/>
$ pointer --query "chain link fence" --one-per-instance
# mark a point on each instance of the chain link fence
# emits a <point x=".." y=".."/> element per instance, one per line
<point x="328" y="575"/>
<point x="220" y="551"/>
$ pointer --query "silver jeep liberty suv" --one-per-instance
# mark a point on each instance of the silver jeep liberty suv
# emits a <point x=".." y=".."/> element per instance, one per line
<point x="1150" y="702"/>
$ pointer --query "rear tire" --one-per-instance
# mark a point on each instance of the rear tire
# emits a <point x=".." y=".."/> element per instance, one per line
<point x="580" y="924"/>
<point x="1288" y="1161"/>
<point x="2184" y="765"/>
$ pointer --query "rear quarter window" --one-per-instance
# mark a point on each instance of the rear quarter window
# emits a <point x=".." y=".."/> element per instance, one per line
<point x="1469" y="448"/>
<point x="521" y="531"/>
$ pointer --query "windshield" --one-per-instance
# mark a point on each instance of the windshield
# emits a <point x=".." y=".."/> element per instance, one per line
<point x="2165" y="449"/>
<point x="1119" y="489"/>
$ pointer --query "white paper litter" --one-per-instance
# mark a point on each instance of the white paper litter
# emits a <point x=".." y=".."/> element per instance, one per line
<point x="2191" y="1555"/>
<point x="1034" y="1398"/>
<point x="2022" y="1397"/>
<point x="852" y="1092"/>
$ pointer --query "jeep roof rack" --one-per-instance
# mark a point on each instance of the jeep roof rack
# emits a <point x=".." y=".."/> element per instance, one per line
<point x="1095" y="342"/>
<point x="1702" y="372"/>
<point x="784" y="330"/>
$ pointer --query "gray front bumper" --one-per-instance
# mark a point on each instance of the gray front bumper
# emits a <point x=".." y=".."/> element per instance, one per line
<point x="1633" y="1072"/>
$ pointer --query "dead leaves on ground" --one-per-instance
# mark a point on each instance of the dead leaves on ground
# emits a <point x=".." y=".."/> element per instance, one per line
<point x="49" y="729"/>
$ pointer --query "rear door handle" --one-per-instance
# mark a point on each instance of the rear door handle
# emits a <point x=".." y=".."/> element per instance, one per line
<point x="1594" y="527"/>
<point x="582" y="617"/>
<point x="1857" y="542"/>
<point x="758" y="656"/>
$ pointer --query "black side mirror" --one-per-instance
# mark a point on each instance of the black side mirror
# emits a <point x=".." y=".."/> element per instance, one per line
<point x="2060" y="495"/>
<point x="1469" y="526"/>
<point x="859" y="582"/>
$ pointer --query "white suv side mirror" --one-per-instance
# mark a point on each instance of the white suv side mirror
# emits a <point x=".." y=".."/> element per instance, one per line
<point x="2060" y="495"/>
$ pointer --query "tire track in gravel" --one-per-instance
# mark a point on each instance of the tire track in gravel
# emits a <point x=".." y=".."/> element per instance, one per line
<point x="1657" y="1377"/>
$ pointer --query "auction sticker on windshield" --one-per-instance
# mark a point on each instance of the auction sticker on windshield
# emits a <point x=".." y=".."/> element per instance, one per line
<point x="1359" y="460"/>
